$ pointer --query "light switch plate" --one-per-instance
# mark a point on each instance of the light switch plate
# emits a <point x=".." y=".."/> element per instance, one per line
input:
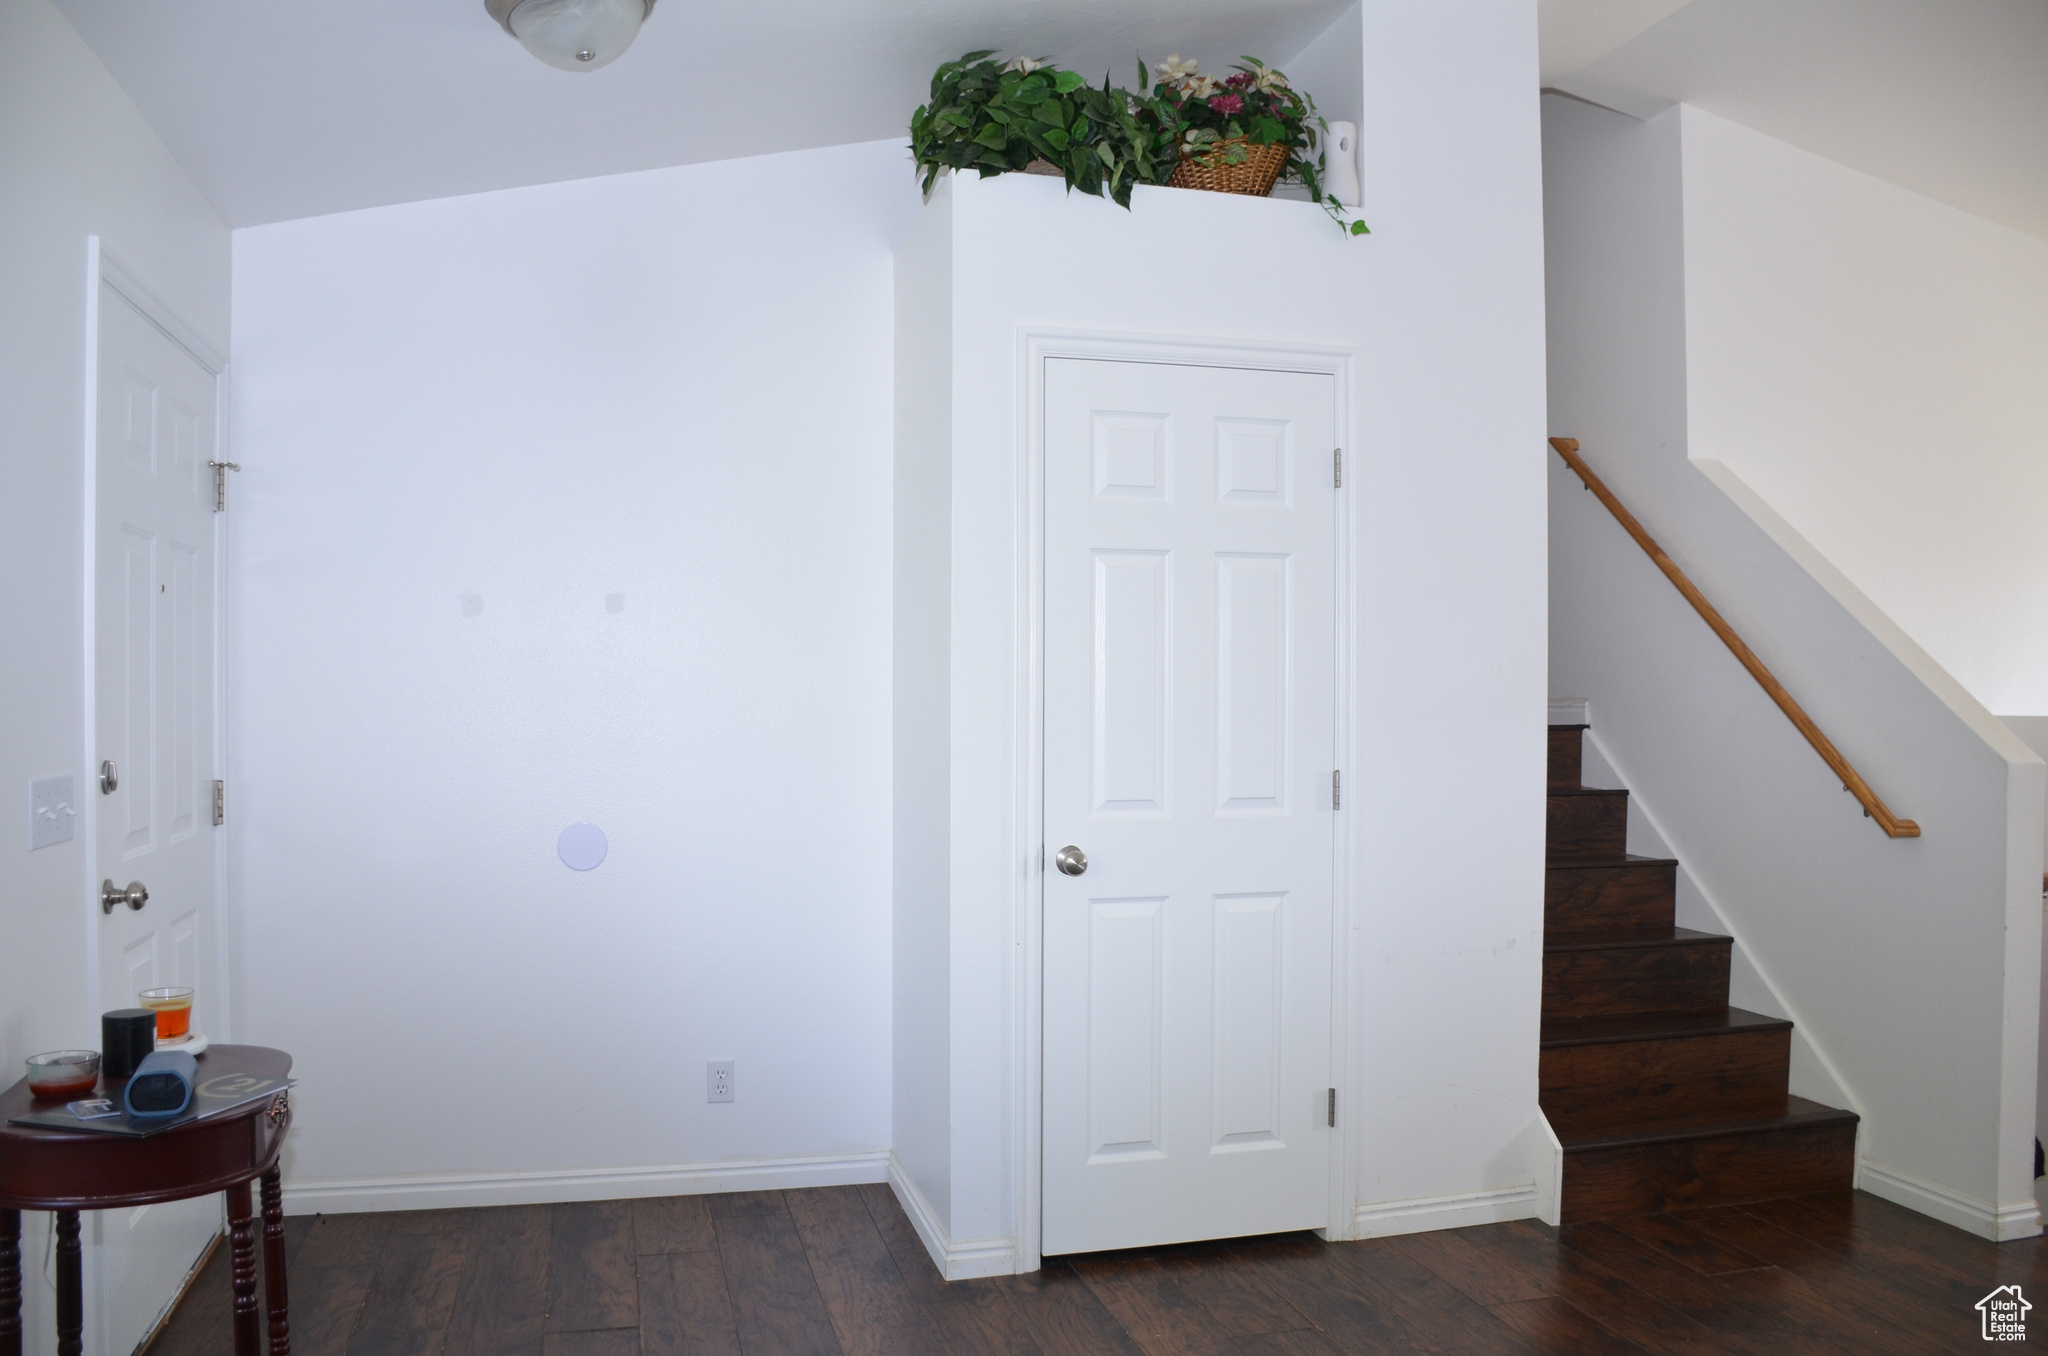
<point x="52" y="810"/>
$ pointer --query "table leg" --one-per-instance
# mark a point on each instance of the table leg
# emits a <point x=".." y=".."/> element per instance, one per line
<point x="275" y="1291"/>
<point x="70" y="1290"/>
<point x="10" y="1283"/>
<point x="242" y="1267"/>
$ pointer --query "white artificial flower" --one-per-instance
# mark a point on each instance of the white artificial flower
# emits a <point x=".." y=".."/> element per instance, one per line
<point x="1201" y="86"/>
<point x="1173" y="70"/>
<point x="1026" y="65"/>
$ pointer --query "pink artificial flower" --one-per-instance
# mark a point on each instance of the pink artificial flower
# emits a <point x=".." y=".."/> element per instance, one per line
<point x="1226" y="104"/>
<point x="1242" y="80"/>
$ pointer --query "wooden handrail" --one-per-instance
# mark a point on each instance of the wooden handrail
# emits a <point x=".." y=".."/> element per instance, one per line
<point x="1852" y="781"/>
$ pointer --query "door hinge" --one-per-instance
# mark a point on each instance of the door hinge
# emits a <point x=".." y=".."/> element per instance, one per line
<point x="1333" y="1108"/>
<point x="1337" y="466"/>
<point x="220" y="803"/>
<point x="220" y="482"/>
<point x="1336" y="790"/>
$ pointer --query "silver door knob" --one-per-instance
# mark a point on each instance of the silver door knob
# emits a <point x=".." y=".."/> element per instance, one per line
<point x="135" y="896"/>
<point x="110" y="777"/>
<point x="1071" y="860"/>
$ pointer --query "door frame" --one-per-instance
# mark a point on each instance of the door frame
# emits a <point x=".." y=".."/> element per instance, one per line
<point x="1035" y="346"/>
<point x="102" y="272"/>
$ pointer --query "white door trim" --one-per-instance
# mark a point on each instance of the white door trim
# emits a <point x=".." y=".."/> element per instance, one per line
<point x="1034" y="347"/>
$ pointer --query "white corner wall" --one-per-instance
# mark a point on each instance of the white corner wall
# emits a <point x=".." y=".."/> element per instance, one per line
<point x="1911" y="965"/>
<point x="77" y="160"/>
<point x="1443" y="305"/>
<point x="566" y="504"/>
<point x="1874" y="364"/>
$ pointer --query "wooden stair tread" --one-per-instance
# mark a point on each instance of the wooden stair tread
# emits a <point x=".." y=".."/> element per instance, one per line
<point x="1617" y="939"/>
<point x="1654" y="1026"/>
<point x="1604" y="863"/>
<point x="1799" y="1113"/>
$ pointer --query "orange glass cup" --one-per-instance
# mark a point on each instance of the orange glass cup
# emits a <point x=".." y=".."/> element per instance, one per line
<point x="173" y="1009"/>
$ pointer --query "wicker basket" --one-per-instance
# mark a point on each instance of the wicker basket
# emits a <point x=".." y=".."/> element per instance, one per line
<point x="1255" y="173"/>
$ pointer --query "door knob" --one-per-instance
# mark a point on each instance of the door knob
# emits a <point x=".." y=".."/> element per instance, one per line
<point x="135" y="896"/>
<point x="1071" y="860"/>
<point x="110" y="777"/>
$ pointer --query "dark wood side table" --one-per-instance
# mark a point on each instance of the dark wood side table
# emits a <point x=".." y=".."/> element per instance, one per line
<point x="67" y="1171"/>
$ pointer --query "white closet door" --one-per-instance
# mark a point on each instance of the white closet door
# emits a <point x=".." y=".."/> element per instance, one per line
<point x="155" y="685"/>
<point x="1189" y="727"/>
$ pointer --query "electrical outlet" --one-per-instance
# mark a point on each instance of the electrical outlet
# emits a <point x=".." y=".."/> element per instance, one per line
<point x="718" y="1081"/>
<point x="51" y="812"/>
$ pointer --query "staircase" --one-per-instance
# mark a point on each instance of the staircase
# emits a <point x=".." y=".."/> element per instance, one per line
<point x="1662" y="1095"/>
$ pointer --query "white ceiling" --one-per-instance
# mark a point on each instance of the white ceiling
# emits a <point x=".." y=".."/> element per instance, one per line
<point x="1945" y="97"/>
<point x="292" y="108"/>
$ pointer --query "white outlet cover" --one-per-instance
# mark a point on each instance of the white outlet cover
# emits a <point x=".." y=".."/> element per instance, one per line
<point x="53" y="812"/>
<point x="712" y="1071"/>
<point x="582" y="847"/>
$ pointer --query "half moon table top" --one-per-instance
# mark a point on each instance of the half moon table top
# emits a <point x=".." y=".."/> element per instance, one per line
<point x="53" y="1169"/>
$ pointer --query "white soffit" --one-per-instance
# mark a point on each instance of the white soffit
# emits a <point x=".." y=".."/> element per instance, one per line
<point x="1573" y="34"/>
<point x="1944" y="97"/>
<point x="293" y="108"/>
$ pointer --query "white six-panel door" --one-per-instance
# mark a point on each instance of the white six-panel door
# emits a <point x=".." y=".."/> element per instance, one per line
<point x="154" y="679"/>
<point x="1189" y="747"/>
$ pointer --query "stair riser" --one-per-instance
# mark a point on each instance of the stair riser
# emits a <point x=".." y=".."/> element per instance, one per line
<point x="1659" y="1082"/>
<point x="1726" y="1170"/>
<point x="1693" y="977"/>
<point x="1565" y="745"/>
<point x="1587" y="826"/>
<point x="1624" y="897"/>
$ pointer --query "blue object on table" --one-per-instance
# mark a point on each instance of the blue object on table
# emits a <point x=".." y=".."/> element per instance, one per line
<point x="162" y="1085"/>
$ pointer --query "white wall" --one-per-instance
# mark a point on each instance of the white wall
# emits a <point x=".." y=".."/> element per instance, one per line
<point x="1443" y="304"/>
<point x="1875" y="364"/>
<point x="672" y="386"/>
<point x="922" y="782"/>
<point x="76" y="159"/>
<point x="1912" y="966"/>
<point x="1328" y="69"/>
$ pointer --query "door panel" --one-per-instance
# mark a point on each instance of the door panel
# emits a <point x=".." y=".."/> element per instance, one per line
<point x="154" y="713"/>
<point x="1189" y="727"/>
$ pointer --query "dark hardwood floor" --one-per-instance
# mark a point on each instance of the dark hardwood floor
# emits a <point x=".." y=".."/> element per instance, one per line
<point x="838" y="1270"/>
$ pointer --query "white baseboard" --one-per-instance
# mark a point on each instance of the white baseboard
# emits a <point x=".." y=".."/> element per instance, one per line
<point x="1545" y="1156"/>
<point x="1999" y="1223"/>
<point x="1568" y="711"/>
<point x="963" y="1261"/>
<point x="341" y="1196"/>
<point x="1384" y="1219"/>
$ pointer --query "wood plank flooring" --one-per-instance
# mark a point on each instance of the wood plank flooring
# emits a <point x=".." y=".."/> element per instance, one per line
<point x="838" y="1272"/>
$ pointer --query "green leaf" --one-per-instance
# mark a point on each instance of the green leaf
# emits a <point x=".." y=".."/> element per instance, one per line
<point x="994" y="136"/>
<point x="1066" y="82"/>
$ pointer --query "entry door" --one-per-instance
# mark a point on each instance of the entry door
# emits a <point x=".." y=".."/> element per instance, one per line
<point x="1189" y="745"/>
<point x="155" y="711"/>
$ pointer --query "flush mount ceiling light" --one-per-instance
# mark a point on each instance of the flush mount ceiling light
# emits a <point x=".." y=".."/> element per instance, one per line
<point x="572" y="35"/>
